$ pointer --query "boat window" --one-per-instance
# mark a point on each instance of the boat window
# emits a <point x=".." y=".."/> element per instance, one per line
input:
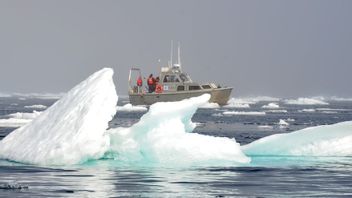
<point x="206" y="86"/>
<point x="166" y="78"/>
<point x="194" y="87"/>
<point x="181" y="88"/>
<point x="171" y="78"/>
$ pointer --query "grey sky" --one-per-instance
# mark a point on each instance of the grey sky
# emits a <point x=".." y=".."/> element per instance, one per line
<point x="278" y="48"/>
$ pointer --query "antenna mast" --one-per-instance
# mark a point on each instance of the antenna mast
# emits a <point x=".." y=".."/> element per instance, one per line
<point x="172" y="50"/>
<point x="179" y="54"/>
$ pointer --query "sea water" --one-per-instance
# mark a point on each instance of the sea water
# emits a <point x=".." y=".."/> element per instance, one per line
<point x="264" y="176"/>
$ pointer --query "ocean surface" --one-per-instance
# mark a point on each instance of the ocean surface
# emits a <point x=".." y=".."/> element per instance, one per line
<point x="265" y="176"/>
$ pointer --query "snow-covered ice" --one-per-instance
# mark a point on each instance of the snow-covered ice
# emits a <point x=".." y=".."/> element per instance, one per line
<point x="163" y="135"/>
<point x="72" y="130"/>
<point x="325" y="140"/>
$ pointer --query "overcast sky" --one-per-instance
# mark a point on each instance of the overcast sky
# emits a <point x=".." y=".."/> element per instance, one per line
<point x="277" y="48"/>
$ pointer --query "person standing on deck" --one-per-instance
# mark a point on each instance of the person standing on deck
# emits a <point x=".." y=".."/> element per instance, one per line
<point x="151" y="83"/>
<point x="139" y="84"/>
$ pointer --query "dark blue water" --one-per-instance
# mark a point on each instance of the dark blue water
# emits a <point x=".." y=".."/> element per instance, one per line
<point x="266" y="176"/>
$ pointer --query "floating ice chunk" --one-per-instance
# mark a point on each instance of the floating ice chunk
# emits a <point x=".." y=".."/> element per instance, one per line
<point x="277" y="111"/>
<point x="39" y="95"/>
<point x="13" y="122"/>
<point x="24" y="115"/>
<point x="72" y="130"/>
<point x="335" y="98"/>
<point x="329" y="112"/>
<point x="265" y="127"/>
<point x="4" y="95"/>
<point x="210" y="105"/>
<point x="283" y="123"/>
<point x="250" y="100"/>
<point x="306" y="110"/>
<point x="254" y="113"/>
<point x="217" y="115"/>
<point x="162" y="136"/>
<point x="328" y="140"/>
<point x="271" y="106"/>
<point x="237" y="103"/>
<point x="306" y="101"/>
<point x="18" y="119"/>
<point x="36" y="107"/>
<point x="128" y="107"/>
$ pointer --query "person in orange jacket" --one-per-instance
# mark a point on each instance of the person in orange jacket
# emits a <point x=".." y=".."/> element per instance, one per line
<point x="151" y="83"/>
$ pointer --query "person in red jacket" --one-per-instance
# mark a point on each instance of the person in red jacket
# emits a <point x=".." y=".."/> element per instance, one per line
<point x="139" y="84"/>
<point x="151" y="83"/>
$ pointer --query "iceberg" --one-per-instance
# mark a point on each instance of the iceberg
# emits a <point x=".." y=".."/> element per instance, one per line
<point x="163" y="136"/>
<point x="72" y="130"/>
<point x="321" y="141"/>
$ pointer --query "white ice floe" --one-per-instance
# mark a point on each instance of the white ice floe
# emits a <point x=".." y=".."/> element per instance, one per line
<point x="265" y="127"/>
<point x="306" y="110"/>
<point x="25" y="115"/>
<point x="13" y="122"/>
<point x="254" y="113"/>
<point x="328" y="140"/>
<point x="39" y="95"/>
<point x="335" y="98"/>
<point x="163" y="136"/>
<point x="283" y="123"/>
<point x="39" y="106"/>
<point x="4" y="95"/>
<point x="129" y="108"/>
<point x="277" y="111"/>
<point x="18" y="119"/>
<point x="329" y="112"/>
<point x="71" y="131"/>
<point x="210" y="105"/>
<point x="251" y="100"/>
<point x="306" y="101"/>
<point x="271" y="105"/>
<point x="237" y="103"/>
<point x="217" y="114"/>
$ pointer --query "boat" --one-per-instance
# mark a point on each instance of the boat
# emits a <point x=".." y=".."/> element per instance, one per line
<point x="173" y="85"/>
